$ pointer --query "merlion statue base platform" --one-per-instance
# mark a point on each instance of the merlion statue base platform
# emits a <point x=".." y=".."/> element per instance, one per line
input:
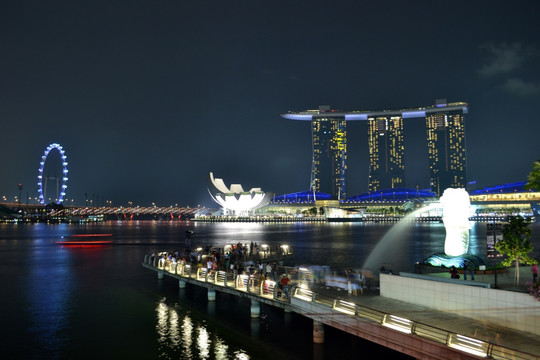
<point x="441" y="259"/>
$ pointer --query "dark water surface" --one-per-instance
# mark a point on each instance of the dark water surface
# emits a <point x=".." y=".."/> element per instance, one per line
<point x="99" y="302"/>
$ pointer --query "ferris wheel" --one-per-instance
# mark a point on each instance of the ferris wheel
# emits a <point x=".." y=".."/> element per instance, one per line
<point x="61" y="185"/>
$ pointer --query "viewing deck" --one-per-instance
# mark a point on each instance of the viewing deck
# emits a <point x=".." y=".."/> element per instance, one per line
<point x="414" y="330"/>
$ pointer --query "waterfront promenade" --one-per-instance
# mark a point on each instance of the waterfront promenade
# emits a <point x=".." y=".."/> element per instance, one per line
<point x="415" y="330"/>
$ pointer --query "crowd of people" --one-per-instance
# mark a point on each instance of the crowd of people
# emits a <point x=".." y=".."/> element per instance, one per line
<point x="238" y="259"/>
<point x="245" y="259"/>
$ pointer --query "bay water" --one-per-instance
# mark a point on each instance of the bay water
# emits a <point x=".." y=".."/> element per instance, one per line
<point x="61" y="302"/>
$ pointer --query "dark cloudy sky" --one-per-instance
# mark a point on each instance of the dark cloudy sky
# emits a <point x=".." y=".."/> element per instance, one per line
<point x="148" y="97"/>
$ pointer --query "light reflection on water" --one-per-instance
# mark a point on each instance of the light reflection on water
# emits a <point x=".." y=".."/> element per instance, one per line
<point x="175" y="330"/>
<point x="49" y="291"/>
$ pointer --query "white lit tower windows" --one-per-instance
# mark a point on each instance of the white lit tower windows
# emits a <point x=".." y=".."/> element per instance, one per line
<point x="446" y="150"/>
<point x="329" y="155"/>
<point x="386" y="149"/>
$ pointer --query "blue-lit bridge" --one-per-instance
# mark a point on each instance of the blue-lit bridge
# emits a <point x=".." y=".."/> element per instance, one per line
<point x="414" y="330"/>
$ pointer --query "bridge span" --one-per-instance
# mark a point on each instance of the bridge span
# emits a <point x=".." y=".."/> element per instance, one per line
<point x="417" y="331"/>
<point x="118" y="212"/>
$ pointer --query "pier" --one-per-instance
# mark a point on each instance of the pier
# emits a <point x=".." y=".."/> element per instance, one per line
<point x="416" y="330"/>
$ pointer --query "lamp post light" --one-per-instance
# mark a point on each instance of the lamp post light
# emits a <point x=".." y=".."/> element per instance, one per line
<point x="494" y="235"/>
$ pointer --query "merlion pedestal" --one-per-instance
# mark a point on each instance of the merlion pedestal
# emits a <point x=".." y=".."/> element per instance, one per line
<point x="456" y="207"/>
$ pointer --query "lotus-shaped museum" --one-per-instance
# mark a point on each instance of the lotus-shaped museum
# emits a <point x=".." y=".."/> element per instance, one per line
<point x="236" y="201"/>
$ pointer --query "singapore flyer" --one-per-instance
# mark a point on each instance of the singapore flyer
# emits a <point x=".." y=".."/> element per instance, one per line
<point x="51" y="173"/>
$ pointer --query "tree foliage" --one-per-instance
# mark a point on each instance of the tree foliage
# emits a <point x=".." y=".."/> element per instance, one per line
<point x="534" y="177"/>
<point x="515" y="244"/>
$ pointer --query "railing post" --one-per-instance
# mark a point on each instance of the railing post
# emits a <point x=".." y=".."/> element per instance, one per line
<point x="255" y="308"/>
<point x="489" y="352"/>
<point x="318" y="332"/>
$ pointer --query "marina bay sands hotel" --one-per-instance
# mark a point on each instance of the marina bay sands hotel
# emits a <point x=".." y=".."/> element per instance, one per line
<point x="445" y="130"/>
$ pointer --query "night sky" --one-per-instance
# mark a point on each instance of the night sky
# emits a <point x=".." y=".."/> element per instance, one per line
<point x="148" y="97"/>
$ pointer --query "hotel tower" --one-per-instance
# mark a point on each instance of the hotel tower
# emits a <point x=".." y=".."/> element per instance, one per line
<point x="445" y="126"/>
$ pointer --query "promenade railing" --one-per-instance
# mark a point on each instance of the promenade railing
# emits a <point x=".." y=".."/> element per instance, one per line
<point x="251" y="284"/>
<point x="435" y="334"/>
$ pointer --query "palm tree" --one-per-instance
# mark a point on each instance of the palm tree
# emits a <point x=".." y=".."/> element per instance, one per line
<point x="534" y="177"/>
<point x="515" y="243"/>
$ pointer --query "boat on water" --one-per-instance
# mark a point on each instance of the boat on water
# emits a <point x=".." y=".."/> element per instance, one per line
<point x="87" y="240"/>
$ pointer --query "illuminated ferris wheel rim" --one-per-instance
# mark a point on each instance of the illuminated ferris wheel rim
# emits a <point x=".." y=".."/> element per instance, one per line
<point x="64" y="172"/>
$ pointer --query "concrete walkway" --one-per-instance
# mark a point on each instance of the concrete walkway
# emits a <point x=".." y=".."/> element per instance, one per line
<point x="512" y="339"/>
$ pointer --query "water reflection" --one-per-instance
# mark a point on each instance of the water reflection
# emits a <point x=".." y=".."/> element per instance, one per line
<point x="203" y="342"/>
<point x="176" y="330"/>
<point x="187" y="335"/>
<point x="48" y="292"/>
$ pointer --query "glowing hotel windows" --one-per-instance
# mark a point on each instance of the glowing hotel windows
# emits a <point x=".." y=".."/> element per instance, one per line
<point x="329" y="165"/>
<point x="385" y="139"/>
<point x="445" y="126"/>
<point x="446" y="150"/>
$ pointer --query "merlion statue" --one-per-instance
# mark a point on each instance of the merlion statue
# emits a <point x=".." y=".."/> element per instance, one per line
<point x="456" y="204"/>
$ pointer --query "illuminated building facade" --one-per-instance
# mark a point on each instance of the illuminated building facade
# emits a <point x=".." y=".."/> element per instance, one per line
<point x="386" y="149"/>
<point x="235" y="201"/>
<point x="329" y="166"/>
<point x="445" y="124"/>
<point x="446" y="150"/>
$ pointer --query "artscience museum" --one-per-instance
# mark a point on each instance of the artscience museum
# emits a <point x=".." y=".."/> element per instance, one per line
<point x="234" y="200"/>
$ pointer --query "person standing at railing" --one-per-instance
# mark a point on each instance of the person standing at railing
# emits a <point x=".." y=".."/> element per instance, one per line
<point x="269" y="271"/>
<point x="262" y="278"/>
<point x="264" y="283"/>
<point x="470" y="267"/>
<point x="361" y="279"/>
<point x="209" y="266"/>
<point x="350" y="281"/>
<point x="253" y="275"/>
<point x="285" y="285"/>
